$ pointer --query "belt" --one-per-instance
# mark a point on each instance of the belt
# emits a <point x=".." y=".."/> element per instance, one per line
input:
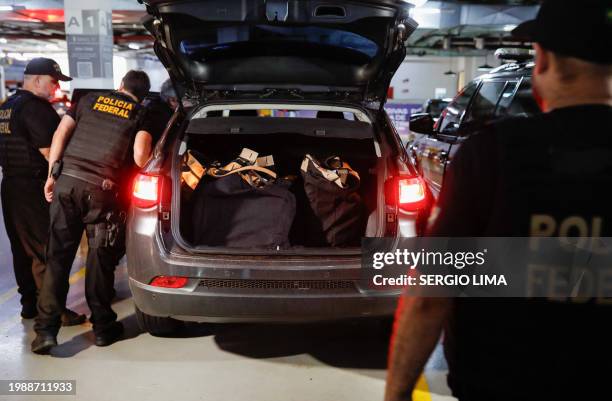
<point x="105" y="183"/>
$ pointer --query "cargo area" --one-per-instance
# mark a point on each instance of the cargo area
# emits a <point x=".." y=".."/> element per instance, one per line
<point x="288" y="150"/>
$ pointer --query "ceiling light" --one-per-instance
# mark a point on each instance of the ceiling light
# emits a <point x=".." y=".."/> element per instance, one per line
<point x="485" y="67"/>
<point x="450" y="72"/>
<point x="424" y="12"/>
<point x="416" y="3"/>
<point x="11" y="8"/>
<point x="134" y="46"/>
<point x="3" y="40"/>
<point x="509" y="28"/>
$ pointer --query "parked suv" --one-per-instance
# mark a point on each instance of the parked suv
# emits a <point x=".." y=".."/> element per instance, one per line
<point x="505" y="91"/>
<point x="286" y="79"/>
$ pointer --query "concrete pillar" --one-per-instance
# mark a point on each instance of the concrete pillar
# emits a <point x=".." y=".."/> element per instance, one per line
<point x="89" y="37"/>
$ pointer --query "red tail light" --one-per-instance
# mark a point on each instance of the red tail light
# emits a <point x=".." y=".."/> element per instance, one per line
<point x="407" y="193"/>
<point x="412" y="193"/>
<point x="169" y="281"/>
<point x="146" y="190"/>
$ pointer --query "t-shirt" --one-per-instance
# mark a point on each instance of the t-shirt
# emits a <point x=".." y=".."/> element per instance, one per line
<point x="557" y="164"/>
<point x="40" y="120"/>
<point x="158" y="115"/>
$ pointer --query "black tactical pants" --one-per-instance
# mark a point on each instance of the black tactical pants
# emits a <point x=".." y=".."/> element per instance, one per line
<point x="26" y="218"/>
<point x="78" y="205"/>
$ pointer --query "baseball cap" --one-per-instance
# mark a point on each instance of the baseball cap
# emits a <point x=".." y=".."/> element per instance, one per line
<point x="45" y="66"/>
<point x="580" y="29"/>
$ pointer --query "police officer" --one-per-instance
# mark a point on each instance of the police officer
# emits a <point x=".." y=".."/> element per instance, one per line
<point x="526" y="177"/>
<point x="161" y="109"/>
<point x="98" y="143"/>
<point x="27" y="123"/>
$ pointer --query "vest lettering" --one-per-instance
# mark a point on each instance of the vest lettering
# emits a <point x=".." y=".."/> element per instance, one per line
<point x="116" y="107"/>
<point x="5" y="128"/>
<point x="571" y="227"/>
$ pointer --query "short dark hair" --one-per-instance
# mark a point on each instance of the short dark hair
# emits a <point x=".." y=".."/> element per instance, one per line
<point x="137" y="83"/>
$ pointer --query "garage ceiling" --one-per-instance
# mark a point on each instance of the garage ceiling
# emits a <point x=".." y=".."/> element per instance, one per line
<point x="42" y="30"/>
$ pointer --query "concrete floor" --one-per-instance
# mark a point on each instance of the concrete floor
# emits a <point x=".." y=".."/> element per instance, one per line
<point x="323" y="362"/>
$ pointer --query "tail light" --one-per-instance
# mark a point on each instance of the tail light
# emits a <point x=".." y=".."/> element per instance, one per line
<point x="169" y="281"/>
<point x="145" y="192"/>
<point x="407" y="193"/>
<point x="412" y="195"/>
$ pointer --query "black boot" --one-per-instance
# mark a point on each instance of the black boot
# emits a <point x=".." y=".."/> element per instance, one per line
<point x="43" y="343"/>
<point x="28" y="310"/>
<point x="110" y="335"/>
<point x="71" y="318"/>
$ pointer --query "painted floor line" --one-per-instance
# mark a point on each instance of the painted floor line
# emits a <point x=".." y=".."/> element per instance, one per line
<point x="8" y="295"/>
<point x="13" y="321"/>
<point x="421" y="390"/>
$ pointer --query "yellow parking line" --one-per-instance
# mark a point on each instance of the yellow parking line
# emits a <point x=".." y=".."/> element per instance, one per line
<point x="13" y="291"/>
<point x="8" y="295"/>
<point x="421" y="390"/>
<point x="77" y="275"/>
<point x="9" y="324"/>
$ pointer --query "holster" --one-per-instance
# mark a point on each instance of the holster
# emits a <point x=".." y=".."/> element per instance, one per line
<point x="105" y="233"/>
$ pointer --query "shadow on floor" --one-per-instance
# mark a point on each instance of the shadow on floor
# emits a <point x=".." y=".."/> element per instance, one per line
<point x="361" y="344"/>
<point x="83" y="341"/>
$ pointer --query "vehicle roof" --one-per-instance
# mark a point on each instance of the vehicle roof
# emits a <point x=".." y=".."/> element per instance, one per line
<point x="389" y="2"/>
<point x="510" y="70"/>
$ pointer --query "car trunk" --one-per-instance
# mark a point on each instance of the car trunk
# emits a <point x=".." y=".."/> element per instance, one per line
<point x="339" y="47"/>
<point x="288" y="141"/>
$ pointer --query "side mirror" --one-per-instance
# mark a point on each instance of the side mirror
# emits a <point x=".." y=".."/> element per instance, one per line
<point x="422" y="123"/>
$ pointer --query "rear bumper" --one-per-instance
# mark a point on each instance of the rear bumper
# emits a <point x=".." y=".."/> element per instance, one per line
<point x="313" y="288"/>
<point x="204" y="306"/>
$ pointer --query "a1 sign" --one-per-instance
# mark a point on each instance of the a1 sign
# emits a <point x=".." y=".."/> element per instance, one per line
<point x="88" y="22"/>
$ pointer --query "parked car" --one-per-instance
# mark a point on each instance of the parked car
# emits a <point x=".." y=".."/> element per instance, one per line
<point x="435" y="107"/>
<point x="505" y="91"/>
<point x="290" y="81"/>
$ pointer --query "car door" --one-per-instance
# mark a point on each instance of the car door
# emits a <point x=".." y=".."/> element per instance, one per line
<point x="430" y="153"/>
<point x="491" y="93"/>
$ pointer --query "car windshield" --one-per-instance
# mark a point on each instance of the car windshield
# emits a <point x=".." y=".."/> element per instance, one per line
<point x="267" y="40"/>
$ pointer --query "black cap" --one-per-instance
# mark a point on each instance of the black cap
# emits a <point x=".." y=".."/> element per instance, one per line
<point x="45" y="66"/>
<point x="580" y="29"/>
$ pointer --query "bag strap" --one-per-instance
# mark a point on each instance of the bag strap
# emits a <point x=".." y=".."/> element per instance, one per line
<point x="336" y="175"/>
<point x="234" y="168"/>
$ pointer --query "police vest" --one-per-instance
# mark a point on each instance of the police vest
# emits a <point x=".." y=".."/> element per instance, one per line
<point x="103" y="139"/>
<point x="17" y="156"/>
<point x="555" y="175"/>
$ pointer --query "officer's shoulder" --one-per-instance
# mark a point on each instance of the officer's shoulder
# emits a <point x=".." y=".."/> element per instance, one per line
<point x="36" y="101"/>
<point x="517" y="128"/>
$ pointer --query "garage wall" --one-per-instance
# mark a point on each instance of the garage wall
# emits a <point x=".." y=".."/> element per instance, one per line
<point x="422" y="78"/>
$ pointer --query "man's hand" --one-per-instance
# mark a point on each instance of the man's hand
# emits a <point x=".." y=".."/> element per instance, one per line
<point x="49" y="186"/>
<point x="418" y="325"/>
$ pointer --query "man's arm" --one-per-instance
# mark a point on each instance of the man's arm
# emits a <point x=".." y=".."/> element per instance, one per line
<point x="58" y="144"/>
<point x="142" y="148"/>
<point x="418" y="326"/>
<point x="60" y="139"/>
<point x="44" y="152"/>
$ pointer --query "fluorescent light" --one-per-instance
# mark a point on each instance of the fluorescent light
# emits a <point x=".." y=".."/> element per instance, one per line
<point x="416" y="3"/>
<point x="11" y="8"/>
<point x="134" y="46"/>
<point x="426" y="11"/>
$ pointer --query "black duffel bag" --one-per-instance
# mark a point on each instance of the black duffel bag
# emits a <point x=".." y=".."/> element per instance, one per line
<point x="229" y="212"/>
<point x="332" y="190"/>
